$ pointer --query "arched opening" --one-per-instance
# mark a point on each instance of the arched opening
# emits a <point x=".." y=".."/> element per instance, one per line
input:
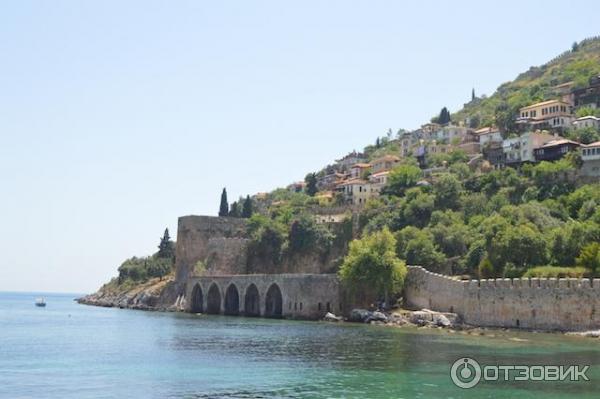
<point x="214" y="300"/>
<point x="252" y="301"/>
<point x="273" y="301"/>
<point x="197" y="300"/>
<point x="232" y="300"/>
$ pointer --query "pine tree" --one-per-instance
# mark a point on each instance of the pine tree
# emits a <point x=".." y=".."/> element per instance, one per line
<point x="247" y="208"/>
<point x="224" y="208"/>
<point x="311" y="184"/>
<point x="166" y="248"/>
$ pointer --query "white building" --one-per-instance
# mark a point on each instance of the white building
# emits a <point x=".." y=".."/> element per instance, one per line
<point x="587" y="121"/>
<point x="590" y="155"/>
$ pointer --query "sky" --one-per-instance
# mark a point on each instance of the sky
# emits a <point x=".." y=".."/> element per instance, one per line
<point x="118" y="117"/>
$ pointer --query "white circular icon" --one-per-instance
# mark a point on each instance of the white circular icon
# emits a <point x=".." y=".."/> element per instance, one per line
<point x="465" y="373"/>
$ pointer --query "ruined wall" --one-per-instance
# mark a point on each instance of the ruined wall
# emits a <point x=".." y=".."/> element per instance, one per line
<point x="217" y="241"/>
<point x="305" y="296"/>
<point x="546" y="304"/>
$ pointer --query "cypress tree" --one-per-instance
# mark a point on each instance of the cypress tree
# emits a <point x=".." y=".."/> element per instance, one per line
<point x="224" y="208"/>
<point x="166" y="248"/>
<point x="473" y="94"/>
<point x="247" y="208"/>
<point x="311" y="184"/>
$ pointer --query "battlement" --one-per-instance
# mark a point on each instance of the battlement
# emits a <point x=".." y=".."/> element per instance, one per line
<point x="535" y="303"/>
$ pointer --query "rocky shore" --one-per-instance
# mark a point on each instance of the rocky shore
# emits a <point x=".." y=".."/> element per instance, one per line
<point x="148" y="296"/>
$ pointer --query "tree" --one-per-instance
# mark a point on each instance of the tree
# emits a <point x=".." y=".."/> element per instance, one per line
<point x="247" y="208"/>
<point x="224" y="208"/>
<point x="444" y="117"/>
<point x="504" y="117"/>
<point x="158" y="267"/>
<point x="234" y="210"/>
<point x="473" y="94"/>
<point x="590" y="257"/>
<point x="311" y="184"/>
<point x="447" y="191"/>
<point x="401" y="178"/>
<point x="575" y="47"/>
<point x="372" y="262"/>
<point x="166" y="247"/>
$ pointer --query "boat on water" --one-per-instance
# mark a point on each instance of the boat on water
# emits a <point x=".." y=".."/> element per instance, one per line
<point x="40" y="302"/>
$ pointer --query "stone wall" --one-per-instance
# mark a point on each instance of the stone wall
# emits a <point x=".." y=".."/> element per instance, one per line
<point x="305" y="296"/>
<point x="219" y="242"/>
<point x="545" y="304"/>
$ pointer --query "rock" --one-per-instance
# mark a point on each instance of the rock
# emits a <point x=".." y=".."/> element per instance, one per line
<point x="421" y="318"/>
<point x="331" y="317"/>
<point x="378" y="316"/>
<point x="359" y="315"/>
<point x="428" y="317"/>
<point x="589" y="334"/>
<point x="441" y="320"/>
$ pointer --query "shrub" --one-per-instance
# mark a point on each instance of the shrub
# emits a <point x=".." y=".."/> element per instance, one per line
<point x="556" y="272"/>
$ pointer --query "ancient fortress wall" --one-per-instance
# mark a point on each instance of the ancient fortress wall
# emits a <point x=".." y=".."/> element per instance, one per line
<point x="219" y="242"/>
<point x="304" y="296"/>
<point x="547" y="304"/>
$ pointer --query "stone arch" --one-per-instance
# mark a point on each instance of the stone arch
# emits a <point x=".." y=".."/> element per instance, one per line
<point x="273" y="301"/>
<point x="213" y="305"/>
<point x="252" y="301"/>
<point x="232" y="300"/>
<point x="197" y="299"/>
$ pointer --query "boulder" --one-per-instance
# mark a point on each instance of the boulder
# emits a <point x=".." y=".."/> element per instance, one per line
<point x="359" y="315"/>
<point x="331" y="317"/>
<point x="378" y="316"/>
<point x="440" y="320"/>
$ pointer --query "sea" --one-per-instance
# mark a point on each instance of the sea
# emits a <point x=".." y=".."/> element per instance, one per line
<point x="67" y="350"/>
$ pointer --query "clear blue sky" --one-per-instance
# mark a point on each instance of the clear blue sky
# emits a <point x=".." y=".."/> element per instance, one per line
<point x="117" y="117"/>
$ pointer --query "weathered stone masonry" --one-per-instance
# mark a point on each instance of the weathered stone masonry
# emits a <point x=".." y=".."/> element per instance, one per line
<point x="546" y="304"/>
<point x="307" y="296"/>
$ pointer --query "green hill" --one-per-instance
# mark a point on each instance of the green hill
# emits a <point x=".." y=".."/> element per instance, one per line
<point x="539" y="83"/>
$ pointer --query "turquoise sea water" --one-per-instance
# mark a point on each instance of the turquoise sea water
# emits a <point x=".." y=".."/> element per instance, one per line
<point x="68" y="350"/>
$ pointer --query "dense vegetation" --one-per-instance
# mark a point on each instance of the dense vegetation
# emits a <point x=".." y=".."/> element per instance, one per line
<point x="158" y="265"/>
<point x="497" y="224"/>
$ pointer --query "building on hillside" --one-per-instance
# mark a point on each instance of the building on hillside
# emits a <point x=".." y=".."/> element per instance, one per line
<point x="487" y="135"/>
<point x="384" y="163"/>
<point x="328" y="182"/>
<point x="357" y="170"/>
<point x="406" y="142"/>
<point x="493" y="152"/>
<point x="590" y="155"/>
<point x="357" y="191"/>
<point x="588" y="96"/>
<point x="587" y="121"/>
<point x="555" y="149"/>
<point x="520" y="149"/>
<point x="379" y="180"/>
<point x="430" y="128"/>
<point x="297" y="187"/>
<point x="350" y="159"/>
<point x="451" y="134"/>
<point x="552" y="114"/>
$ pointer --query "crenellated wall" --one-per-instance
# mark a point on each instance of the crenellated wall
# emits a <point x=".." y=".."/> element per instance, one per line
<point x="545" y="304"/>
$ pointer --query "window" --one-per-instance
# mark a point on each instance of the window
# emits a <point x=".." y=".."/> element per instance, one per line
<point x="319" y="306"/>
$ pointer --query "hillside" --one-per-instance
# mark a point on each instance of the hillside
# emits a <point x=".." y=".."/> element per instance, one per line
<point x="539" y="83"/>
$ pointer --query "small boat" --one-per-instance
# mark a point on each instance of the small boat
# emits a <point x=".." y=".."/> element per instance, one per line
<point x="40" y="302"/>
